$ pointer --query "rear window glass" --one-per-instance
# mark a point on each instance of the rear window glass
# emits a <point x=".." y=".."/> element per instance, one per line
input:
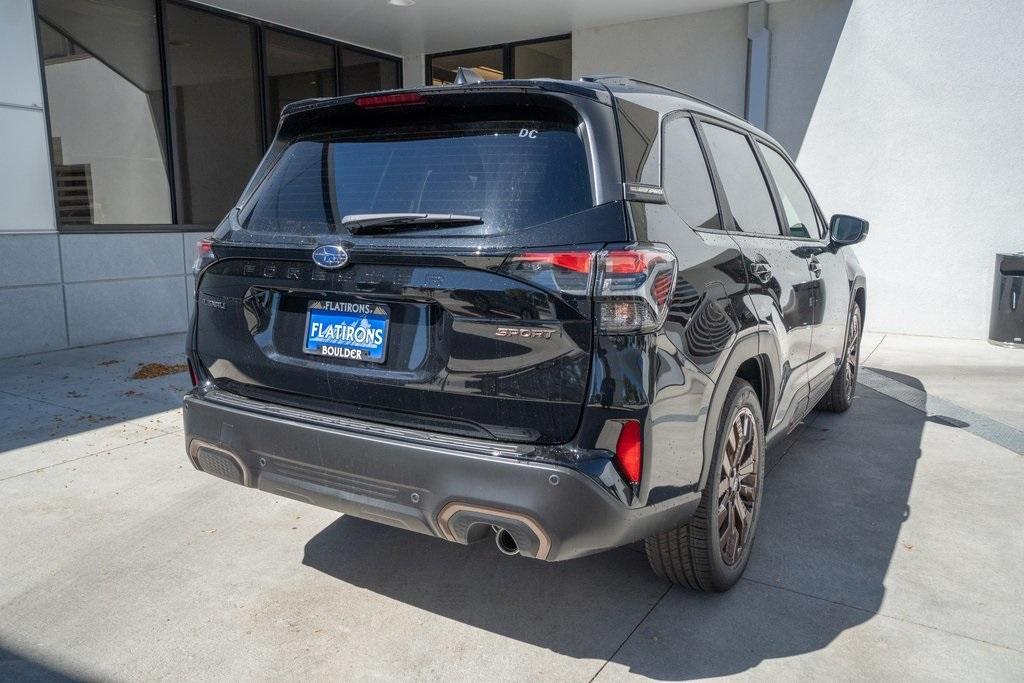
<point x="512" y="174"/>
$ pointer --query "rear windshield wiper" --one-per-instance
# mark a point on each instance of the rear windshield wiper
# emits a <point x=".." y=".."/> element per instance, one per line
<point x="367" y="222"/>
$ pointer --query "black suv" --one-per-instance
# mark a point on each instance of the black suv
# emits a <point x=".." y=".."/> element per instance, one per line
<point x="568" y="315"/>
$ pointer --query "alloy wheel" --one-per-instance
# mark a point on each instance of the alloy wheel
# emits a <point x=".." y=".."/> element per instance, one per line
<point x="737" y="486"/>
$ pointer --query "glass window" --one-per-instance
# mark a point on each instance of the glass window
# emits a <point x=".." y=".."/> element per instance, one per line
<point x="361" y="72"/>
<point x="105" y="99"/>
<point x="488" y="64"/>
<point x="486" y="168"/>
<point x="212" y="62"/>
<point x="742" y="180"/>
<point x="547" y="59"/>
<point x="297" y="69"/>
<point x="685" y="176"/>
<point x="797" y="206"/>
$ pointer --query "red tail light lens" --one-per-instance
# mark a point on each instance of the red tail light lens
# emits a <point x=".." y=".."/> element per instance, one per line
<point x="404" y="99"/>
<point x="629" y="451"/>
<point x="566" y="272"/>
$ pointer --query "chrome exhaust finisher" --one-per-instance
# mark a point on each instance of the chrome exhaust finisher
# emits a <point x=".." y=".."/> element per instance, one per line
<point x="515" y="533"/>
<point x="506" y="542"/>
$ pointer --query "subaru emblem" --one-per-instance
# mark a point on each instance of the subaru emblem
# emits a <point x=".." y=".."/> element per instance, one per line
<point x="330" y="256"/>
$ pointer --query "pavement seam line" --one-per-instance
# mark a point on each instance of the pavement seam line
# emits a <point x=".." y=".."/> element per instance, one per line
<point x="102" y="451"/>
<point x="630" y="635"/>
<point x="88" y="412"/>
<point x="881" y="614"/>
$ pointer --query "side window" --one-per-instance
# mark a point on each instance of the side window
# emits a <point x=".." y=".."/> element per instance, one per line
<point x="797" y="206"/>
<point x="744" y="184"/>
<point x="685" y="176"/>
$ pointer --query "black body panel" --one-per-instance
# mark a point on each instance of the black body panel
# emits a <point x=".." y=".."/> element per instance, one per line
<point x="536" y="406"/>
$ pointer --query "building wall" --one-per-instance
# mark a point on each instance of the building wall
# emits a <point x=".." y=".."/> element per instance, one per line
<point x="26" y="191"/>
<point x="58" y="291"/>
<point x="704" y="54"/>
<point x="61" y="290"/>
<point x="905" y="113"/>
<point x="915" y="124"/>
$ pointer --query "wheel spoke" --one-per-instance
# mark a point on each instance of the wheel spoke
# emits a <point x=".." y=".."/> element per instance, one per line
<point x="741" y="515"/>
<point x="731" y="545"/>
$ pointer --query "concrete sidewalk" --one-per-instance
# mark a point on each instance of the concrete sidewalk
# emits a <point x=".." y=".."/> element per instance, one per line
<point x="891" y="546"/>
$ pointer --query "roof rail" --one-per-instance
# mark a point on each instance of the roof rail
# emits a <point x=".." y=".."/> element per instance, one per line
<point x="618" y="79"/>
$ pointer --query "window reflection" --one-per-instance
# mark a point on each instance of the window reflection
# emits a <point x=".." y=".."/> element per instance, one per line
<point x="212" y="60"/>
<point x="297" y="68"/>
<point x="547" y="59"/>
<point x="105" y="100"/>
<point x="487" y="64"/>
<point x="361" y="72"/>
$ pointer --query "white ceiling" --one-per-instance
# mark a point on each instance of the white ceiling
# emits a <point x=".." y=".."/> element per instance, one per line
<point x="440" y="25"/>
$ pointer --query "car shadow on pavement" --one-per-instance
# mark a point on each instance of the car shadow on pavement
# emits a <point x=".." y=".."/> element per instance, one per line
<point x="836" y="498"/>
<point x="14" y="667"/>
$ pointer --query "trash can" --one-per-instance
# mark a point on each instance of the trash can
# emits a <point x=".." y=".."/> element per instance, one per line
<point x="1006" y="328"/>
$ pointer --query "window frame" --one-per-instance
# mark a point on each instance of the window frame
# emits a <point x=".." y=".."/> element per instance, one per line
<point x="704" y="119"/>
<point x="715" y="189"/>
<point x="825" y="235"/>
<point x="508" y="54"/>
<point x="260" y="27"/>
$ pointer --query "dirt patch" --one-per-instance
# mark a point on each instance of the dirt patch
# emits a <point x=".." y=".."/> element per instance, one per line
<point x="151" y="370"/>
<point x="110" y="362"/>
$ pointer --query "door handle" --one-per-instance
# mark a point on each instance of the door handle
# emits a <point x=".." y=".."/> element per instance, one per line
<point x="814" y="265"/>
<point x="761" y="270"/>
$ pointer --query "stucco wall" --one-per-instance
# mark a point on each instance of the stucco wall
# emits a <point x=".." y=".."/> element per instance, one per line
<point x="915" y="125"/>
<point x="704" y="54"/>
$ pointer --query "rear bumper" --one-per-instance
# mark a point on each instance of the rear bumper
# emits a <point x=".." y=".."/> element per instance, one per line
<point x="448" y="487"/>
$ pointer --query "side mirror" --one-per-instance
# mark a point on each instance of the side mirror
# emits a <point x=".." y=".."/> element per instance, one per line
<point x="847" y="229"/>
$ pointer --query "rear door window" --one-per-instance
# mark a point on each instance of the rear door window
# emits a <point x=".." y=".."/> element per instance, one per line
<point x="797" y="207"/>
<point x="742" y="180"/>
<point x="513" y="174"/>
<point x="685" y="176"/>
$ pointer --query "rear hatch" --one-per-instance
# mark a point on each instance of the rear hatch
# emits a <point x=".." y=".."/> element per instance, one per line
<point x="462" y="305"/>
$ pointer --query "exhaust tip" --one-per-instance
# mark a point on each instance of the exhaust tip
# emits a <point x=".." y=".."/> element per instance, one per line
<point x="505" y="542"/>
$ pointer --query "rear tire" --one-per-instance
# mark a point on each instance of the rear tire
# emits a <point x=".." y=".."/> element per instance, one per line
<point x="710" y="552"/>
<point x="840" y="394"/>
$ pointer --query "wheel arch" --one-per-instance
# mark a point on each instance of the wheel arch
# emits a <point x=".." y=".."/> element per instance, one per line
<point x="751" y="359"/>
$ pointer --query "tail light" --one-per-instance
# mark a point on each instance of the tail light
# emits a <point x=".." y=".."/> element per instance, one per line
<point x="565" y="272"/>
<point x="629" y="451"/>
<point x="204" y="255"/>
<point x="403" y="99"/>
<point x="633" y="287"/>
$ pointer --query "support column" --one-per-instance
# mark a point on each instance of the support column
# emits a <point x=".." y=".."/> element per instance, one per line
<point x="758" y="54"/>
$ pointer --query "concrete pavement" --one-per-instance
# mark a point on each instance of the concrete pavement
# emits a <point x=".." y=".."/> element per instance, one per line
<point x="891" y="546"/>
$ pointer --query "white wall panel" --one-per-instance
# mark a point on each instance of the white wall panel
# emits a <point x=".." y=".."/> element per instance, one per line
<point x="914" y="123"/>
<point x="704" y="54"/>
<point x="26" y="194"/>
<point x="19" y="64"/>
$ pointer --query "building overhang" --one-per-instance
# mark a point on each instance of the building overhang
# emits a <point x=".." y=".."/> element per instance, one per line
<point x="439" y="25"/>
